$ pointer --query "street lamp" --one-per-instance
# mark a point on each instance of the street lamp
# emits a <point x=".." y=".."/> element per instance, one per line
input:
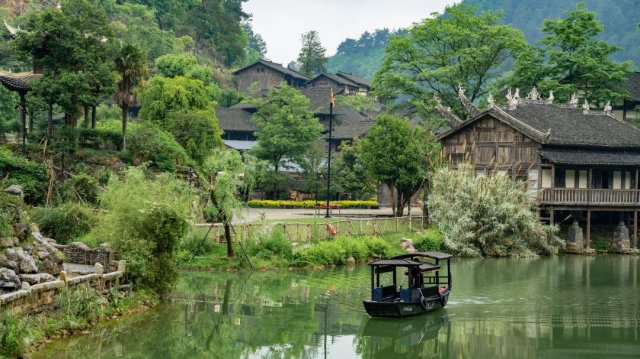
<point x="331" y="102"/>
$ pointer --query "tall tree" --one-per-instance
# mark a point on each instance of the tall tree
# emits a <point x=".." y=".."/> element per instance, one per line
<point x="131" y="65"/>
<point x="70" y="44"/>
<point x="437" y="55"/>
<point x="394" y="154"/>
<point x="311" y="58"/>
<point x="576" y="60"/>
<point x="286" y="128"/>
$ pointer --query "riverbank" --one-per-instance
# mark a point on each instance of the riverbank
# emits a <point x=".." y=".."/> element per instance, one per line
<point x="274" y="251"/>
<point x="75" y="313"/>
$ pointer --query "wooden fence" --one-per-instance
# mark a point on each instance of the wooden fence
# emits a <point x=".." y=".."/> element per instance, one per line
<point x="305" y="232"/>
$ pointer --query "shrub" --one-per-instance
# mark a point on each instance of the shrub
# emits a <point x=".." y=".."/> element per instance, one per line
<point x="487" y="216"/>
<point x="194" y="245"/>
<point x="147" y="143"/>
<point x="30" y="175"/>
<point x="80" y="187"/>
<point x="145" y="221"/>
<point x="196" y="131"/>
<point x="82" y="304"/>
<point x="336" y="252"/>
<point x="309" y="204"/>
<point x="429" y="240"/>
<point x="65" y="222"/>
<point x="14" y="331"/>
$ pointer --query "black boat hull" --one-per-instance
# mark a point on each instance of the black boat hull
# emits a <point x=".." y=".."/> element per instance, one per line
<point x="401" y="309"/>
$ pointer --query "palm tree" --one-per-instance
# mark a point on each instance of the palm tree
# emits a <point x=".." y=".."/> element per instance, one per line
<point x="131" y="65"/>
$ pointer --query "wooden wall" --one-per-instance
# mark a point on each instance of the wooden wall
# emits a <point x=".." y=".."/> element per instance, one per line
<point x="490" y="144"/>
<point x="265" y="77"/>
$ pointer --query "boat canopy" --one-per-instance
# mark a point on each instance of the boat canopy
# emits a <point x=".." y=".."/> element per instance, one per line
<point x="432" y="255"/>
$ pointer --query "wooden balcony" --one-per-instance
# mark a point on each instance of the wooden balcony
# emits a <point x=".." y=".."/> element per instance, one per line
<point x="590" y="197"/>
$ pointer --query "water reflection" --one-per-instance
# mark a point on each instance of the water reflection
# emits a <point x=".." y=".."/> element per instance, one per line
<point x="534" y="308"/>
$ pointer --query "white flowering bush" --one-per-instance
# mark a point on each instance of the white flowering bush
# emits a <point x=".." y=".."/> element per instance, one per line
<point x="487" y="216"/>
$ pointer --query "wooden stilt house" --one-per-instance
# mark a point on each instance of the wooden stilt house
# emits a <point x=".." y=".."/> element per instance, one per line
<point x="574" y="160"/>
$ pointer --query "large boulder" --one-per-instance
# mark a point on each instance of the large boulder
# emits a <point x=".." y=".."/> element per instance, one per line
<point x="8" y="242"/>
<point x="9" y="280"/>
<point x="26" y="263"/>
<point x="8" y="263"/>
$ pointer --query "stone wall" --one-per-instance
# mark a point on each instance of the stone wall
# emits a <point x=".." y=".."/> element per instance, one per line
<point x="38" y="297"/>
<point x="79" y="253"/>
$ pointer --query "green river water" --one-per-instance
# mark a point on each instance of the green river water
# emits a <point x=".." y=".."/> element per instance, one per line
<point x="564" y="307"/>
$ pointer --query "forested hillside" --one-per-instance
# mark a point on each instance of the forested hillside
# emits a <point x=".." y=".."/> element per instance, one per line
<point x="620" y="19"/>
<point x="360" y="57"/>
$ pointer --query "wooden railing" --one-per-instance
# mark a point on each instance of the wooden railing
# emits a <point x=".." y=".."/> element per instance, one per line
<point x="580" y="196"/>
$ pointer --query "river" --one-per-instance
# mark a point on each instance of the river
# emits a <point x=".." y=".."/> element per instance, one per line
<point x="562" y="307"/>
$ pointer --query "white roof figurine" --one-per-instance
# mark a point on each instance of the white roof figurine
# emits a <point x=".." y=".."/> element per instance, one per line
<point x="586" y="107"/>
<point x="551" y="98"/>
<point x="534" y="95"/>
<point x="491" y="101"/>
<point x="608" y="108"/>
<point x="573" y="102"/>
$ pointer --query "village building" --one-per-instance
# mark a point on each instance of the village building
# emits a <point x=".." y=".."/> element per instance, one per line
<point x="264" y="75"/>
<point x="628" y="109"/>
<point x="579" y="164"/>
<point x="346" y="84"/>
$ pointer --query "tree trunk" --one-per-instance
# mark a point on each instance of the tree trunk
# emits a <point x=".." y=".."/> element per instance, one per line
<point x="425" y="198"/>
<point x="31" y="116"/>
<point x="391" y="188"/>
<point x="400" y="205"/>
<point x="86" y="117"/>
<point x="93" y="117"/>
<point x="50" y="121"/>
<point x="227" y="237"/>
<point x="125" y="114"/>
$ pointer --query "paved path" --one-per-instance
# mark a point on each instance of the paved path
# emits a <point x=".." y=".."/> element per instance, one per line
<point x="255" y="214"/>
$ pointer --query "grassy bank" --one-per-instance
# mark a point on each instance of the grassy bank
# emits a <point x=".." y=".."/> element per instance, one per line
<point x="272" y="249"/>
<point x="75" y="312"/>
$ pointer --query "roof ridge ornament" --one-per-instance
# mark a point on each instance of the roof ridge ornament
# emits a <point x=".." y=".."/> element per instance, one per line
<point x="608" y="108"/>
<point x="549" y="100"/>
<point x="586" y="108"/>
<point x="491" y="101"/>
<point x="446" y="112"/>
<point x="513" y="99"/>
<point x="534" y="95"/>
<point x="471" y="109"/>
<point x="573" y="102"/>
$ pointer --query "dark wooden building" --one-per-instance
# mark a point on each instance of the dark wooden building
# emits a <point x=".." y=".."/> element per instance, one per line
<point x="344" y="83"/>
<point x="575" y="161"/>
<point x="266" y="75"/>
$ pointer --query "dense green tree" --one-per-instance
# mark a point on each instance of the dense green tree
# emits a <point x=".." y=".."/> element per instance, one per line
<point x="216" y="28"/>
<point x="131" y="66"/>
<point x="163" y="95"/>
<point x="314" y="170"/>
<point x="350" y="175"/>
<point x="577" y="61"/>
<point x="183" y="65"/>
<point x="394" y="154"/>
<point x="362" y="56"/>
<point x="71" y="45"/>
<point x="197" y="132"/>
<point x="435" y="56"/>
<point x="286" y="128"/>
<point x="312" y="55"/>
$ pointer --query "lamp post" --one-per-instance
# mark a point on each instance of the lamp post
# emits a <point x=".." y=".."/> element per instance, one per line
<point x="327" y="215"/>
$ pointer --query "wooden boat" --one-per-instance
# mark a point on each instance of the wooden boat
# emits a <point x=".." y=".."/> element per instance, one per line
<point x="425" y="290"/>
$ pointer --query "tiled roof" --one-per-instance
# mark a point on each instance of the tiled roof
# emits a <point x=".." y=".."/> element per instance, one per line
<point x="355" y="79"/>
<point x="590" y="157"/>
<point x="236" y="118"/>
<point x="276" y="67"/>
<point x="18" y="81"/>
<point x="563" y="126"/>
<point x="335" y="78"/>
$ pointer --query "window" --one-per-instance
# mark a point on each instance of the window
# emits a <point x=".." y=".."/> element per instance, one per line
<point x="570" y="178"/>
<point x="546" y="178"/>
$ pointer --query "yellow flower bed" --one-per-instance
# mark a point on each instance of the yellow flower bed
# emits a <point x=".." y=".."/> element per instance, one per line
<point x="310" y="204"/>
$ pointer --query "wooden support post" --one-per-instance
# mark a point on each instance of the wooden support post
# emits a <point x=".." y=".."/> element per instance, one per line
<point x="587" y="243"/>
<point x="551" y="213"/>
<point x="634" y="244"/>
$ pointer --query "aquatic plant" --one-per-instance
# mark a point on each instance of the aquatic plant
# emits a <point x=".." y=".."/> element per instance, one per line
<point x="487" y="216"/>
